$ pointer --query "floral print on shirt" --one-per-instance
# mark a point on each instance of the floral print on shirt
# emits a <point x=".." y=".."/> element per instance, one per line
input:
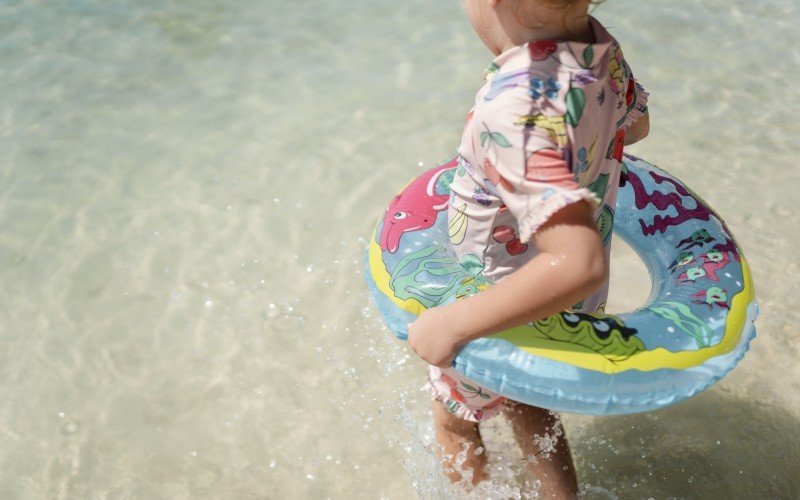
<point x="547" y="130"/>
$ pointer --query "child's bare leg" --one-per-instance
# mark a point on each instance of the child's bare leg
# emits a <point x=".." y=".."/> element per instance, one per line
<point x="548" y="455"/>
<point x="454" y="434"/>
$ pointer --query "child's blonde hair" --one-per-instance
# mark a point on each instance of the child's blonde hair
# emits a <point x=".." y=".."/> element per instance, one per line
<point x="566" y="5"/>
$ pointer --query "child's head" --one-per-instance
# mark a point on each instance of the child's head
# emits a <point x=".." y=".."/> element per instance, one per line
<point x="505" y="23"/>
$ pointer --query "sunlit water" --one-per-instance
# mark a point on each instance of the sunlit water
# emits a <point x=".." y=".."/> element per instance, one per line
<point x="185" y="192"/>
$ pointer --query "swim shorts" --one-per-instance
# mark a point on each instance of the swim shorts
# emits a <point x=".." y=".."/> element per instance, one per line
<point x="461" y="396"/>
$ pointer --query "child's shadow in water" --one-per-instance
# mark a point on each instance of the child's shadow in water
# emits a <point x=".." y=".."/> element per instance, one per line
<point x="715" y="445"/>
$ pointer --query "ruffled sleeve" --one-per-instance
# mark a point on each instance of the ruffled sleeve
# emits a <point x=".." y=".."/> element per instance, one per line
<point x="636" y="100"/>
<point x="526" y="164"/>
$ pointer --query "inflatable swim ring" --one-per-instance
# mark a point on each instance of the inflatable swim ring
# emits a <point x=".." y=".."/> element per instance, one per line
<point x="696" y="325"/>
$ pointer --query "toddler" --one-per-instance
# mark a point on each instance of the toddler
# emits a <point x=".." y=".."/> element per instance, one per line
<point x="539" y="167"/>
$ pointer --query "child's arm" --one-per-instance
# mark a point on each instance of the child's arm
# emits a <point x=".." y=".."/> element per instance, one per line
<point x="571" y="265"/>
<point x="637" y="130"/>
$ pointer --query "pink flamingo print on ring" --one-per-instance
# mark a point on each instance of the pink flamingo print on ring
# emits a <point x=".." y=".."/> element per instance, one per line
<point x="414" y="209"/>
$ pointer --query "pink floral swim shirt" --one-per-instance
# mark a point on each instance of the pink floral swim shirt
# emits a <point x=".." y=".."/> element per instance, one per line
<point x="547" y="130"/>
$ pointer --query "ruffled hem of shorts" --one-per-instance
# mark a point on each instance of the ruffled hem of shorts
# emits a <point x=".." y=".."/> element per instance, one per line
<point x="462" y="411"/>
<point x="531" y="222"/>
<point x="639" y="107"/>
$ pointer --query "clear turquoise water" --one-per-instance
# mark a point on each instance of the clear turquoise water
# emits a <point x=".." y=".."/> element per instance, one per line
<point x="185" y="190"/>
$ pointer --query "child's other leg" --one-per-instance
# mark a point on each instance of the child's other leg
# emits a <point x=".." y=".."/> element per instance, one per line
<point x="548" y="456"/>
<point x="455" y="435"/>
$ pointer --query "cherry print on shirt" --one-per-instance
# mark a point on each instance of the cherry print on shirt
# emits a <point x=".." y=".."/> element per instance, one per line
<point x="454" y="394"/>
<point x="506" y="234"/>
<point x="541" y="49"/>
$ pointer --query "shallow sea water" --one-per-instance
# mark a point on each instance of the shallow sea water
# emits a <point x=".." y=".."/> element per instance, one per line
<point x="186" y="188"/>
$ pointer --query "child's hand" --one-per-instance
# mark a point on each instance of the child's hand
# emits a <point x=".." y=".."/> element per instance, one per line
<point x="433" y="338"/>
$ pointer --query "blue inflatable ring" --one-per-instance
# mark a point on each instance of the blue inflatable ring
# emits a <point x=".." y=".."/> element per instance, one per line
<point x="695" y="327"/>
